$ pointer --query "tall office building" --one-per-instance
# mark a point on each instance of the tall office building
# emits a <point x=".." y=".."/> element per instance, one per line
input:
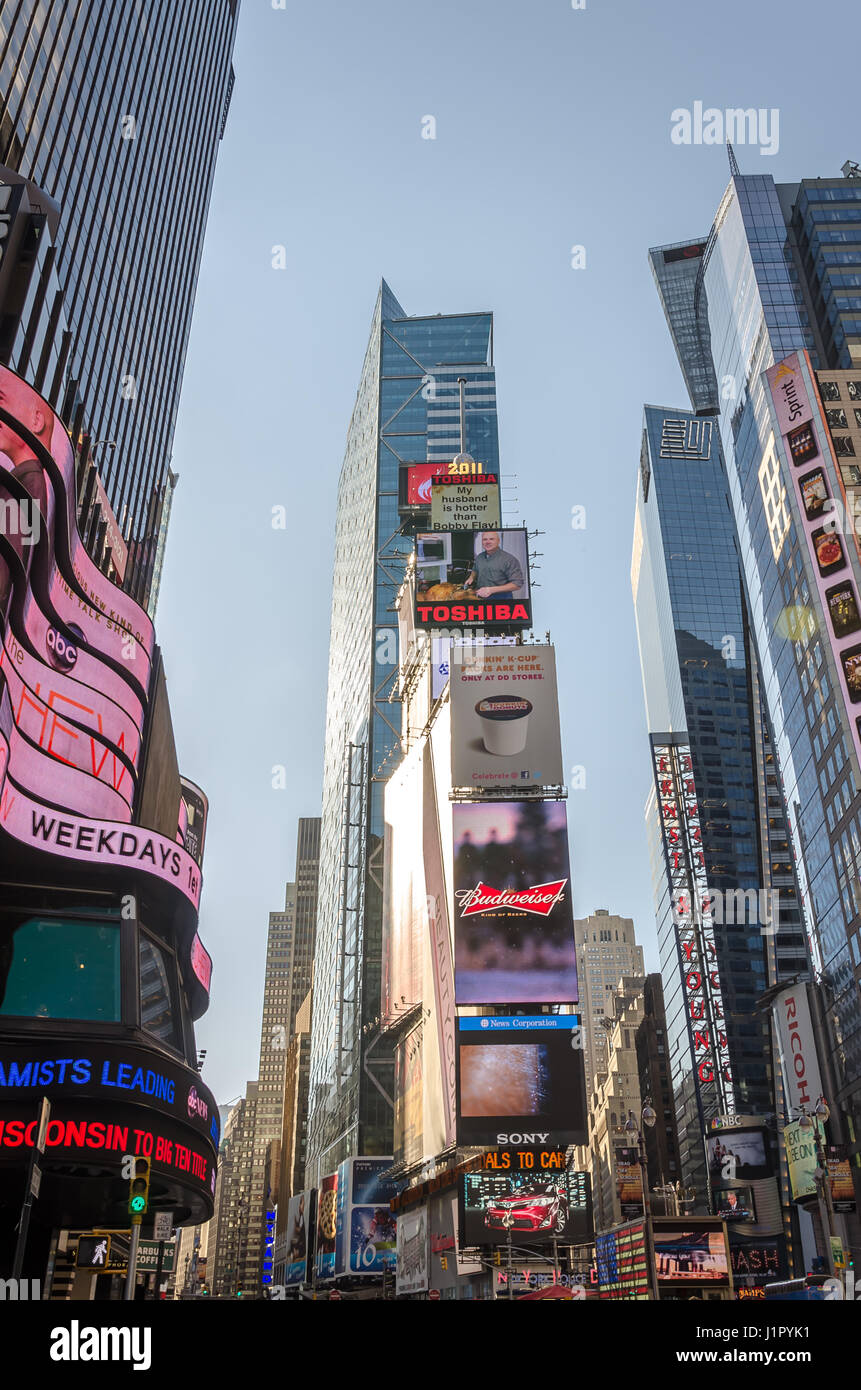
<point x="714" y="855"/>
<point x="113" y="116"/>
<point x="606" y="950"/>
<point x="407" y="411"/>
<point x="777" y="277"/>
<point x="289" y="951"/>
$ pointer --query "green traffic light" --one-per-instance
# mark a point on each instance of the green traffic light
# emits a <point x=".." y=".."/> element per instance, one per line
<point x="138" y="1204"/>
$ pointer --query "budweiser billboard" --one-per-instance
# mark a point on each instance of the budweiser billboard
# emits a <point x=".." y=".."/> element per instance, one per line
<point x="514" y="925"/>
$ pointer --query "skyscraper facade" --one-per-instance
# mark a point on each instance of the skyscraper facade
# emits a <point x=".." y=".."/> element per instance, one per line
<point x="407" y="411"/>
<point x="713" y="846"/>
<point x="114" y="114"/>
<point x="777" y="278"/>
<point x="606" y="949"/>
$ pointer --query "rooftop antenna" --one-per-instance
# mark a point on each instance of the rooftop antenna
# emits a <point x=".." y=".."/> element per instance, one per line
<point x="733" y="162"/>
<point x="463" y="456"/>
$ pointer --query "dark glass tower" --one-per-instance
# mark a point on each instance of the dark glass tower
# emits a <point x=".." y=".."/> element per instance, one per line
<point x="115" y="112"/>
<point x="407" y="411"/>
<point x="701" y="698"/>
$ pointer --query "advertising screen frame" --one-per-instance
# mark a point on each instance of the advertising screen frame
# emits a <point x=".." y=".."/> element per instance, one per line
<point x="561" y="1064"/>
<point x="452" y="554"/>
<point x="663" y="1231"/>
<point x="516" y="1182"/>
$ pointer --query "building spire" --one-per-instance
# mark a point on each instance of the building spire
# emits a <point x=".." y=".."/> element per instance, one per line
<point x="733" y="162"/>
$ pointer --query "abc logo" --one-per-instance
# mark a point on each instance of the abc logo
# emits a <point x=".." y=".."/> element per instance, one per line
<point x="63" y="651"/>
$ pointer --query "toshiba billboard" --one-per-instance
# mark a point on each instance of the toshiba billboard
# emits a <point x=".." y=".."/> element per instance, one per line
<point x="798" y="1059"/>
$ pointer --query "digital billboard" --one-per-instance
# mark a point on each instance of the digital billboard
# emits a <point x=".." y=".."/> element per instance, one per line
<point x="629" y="1182"/>
<point x="622" y="1262"/>
<point x="327" y="1227"/>
<point x="366" y="1234"/>
<point x="473" y="577"/>
<point x="520" y="1081"/>
<point x="757" y="1259"/>
<point x="193" y="812"/>
<point x="738" y="1154"/>
<point x="461" y="506"/>
<point x="412" y="1251"/>
<point x="416" y="481"/>
<point x="689" y="1253"/>
<point x="505" y="719"/>
<point x="840" y="1178"/>
<point x="801" y="1157"/>
<point x="735" y="1204"/>
<point x="534" y="1196"/>
<point x="514" y="925"/>
<point x="299" y="1234"/>
<point x="112" y="1071"/>
<point x="820" y="497"/>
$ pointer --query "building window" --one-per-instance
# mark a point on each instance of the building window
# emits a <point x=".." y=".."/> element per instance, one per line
<point x="63" y="967"/>
<point x="158" y="1015"/>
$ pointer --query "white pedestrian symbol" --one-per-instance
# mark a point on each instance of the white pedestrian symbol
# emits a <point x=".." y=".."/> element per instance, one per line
<point x="100" y="1253"/>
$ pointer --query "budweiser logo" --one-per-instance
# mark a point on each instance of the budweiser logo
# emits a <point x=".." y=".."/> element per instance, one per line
<point x="541" y="899"/>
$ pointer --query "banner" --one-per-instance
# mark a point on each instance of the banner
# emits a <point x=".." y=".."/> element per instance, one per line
<point x="412" y="1251"/>
<point x="797" y="1045"/>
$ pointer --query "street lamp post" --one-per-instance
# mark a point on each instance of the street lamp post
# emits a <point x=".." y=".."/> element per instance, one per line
<point x="631" y="1128"/>
<point x="820" y="1176"/>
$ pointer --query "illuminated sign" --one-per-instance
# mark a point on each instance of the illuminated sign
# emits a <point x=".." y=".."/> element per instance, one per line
<point x="623" y="1271"/>
<point x="112" y="1071"/>
<point x="629" y="1182"/>
<point x="298" y="1236"/>
<point x="465" y="506"/>
<point x="520" y="1081"/>
<point x="821" y="499"/>
<point x="693" y="918"/>
<point x="327" y="1226"/>
<point x="514" y="921"/>
<point x="690" y="1253"/>
<point x="87" y="1135"/>
<point x="473" y="577"/>
<point x="536" y="1201"/>
<point x="684" y="253"/>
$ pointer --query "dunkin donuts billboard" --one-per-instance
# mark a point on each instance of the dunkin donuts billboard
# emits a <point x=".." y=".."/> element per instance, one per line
<point x="505" y="720"/>
<point x="514" y="923"/>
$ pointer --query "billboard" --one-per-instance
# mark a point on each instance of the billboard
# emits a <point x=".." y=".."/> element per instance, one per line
<point x="412" y="1251"/>
<point x="473" y="577"/>
<point x="520" y="1081"/>
<point x="327" y="1227"/>
<point x="821" y="499"/>
<point x="629" y="1182"/>
<point x="735" y="1204"/>
<point x="840" y="1178"/>
<point x="533" y="1196"/>
<point x="757" y="1259"/>
<point x="409" y="1099"/>
<point x="738" y="1154"/>
<point x="463" y="506"/>
<point x="505" y="720"/>
<point x="514" y="925"/>
<point x="299" y="1234"/>
<point x="798" y="1060"/>
<point x="193" y="811"/>
<point x="366" y="1228"/>
<point x="801" y="1157"/>
<point x="690" y="1253"/>
<point x="622" y="1261"/>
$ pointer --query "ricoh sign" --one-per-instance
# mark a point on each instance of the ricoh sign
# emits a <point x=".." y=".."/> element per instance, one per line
<point x="798" y="1059"/>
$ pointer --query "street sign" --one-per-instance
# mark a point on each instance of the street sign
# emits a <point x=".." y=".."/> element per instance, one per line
<point x="334" y="1296"/>
<point x="163" y="1225"/>
<point x="148" y="1256"/>
<point x="433" y="1294"/>
<point x="35" y="1180"/>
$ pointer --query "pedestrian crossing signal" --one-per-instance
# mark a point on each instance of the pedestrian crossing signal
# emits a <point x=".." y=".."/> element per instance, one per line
<point x="139" y="1189"/>
<point x="93" y="1252"/>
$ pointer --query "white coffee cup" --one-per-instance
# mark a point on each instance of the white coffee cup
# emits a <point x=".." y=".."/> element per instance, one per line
<point x="504" y="723"/>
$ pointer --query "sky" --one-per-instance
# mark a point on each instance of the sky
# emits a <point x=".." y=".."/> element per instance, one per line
<point x="552" y="131"/>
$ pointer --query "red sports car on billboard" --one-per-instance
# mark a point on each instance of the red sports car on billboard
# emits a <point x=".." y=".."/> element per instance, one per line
<point x="544" y="1209"/>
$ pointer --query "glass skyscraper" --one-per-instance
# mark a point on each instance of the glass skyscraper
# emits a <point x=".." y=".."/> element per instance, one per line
<point x="779" y="274"/>
<point x="115" y="112"/>
<point x="407" y="411"/>
<point x="700" y="689"/>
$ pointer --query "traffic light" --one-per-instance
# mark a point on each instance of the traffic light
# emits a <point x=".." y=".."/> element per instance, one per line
<point x="139" y="1189"/>
<point x="444" y="1261"/>
<point x="497" y="1257"/>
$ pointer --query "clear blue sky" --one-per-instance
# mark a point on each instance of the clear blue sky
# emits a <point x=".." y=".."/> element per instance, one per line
<point x="552" y="130"/>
